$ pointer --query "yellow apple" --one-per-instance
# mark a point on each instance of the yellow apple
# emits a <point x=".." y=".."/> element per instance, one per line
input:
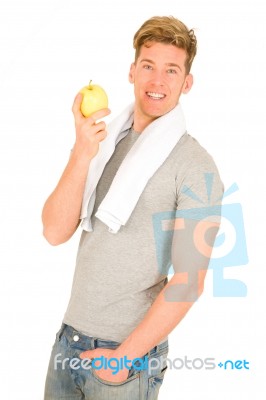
<point x="94" y="99"/>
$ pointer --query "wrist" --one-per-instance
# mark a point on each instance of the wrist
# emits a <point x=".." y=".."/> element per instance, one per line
<point x="80" y="155"/>
<point x="127" y="350"/>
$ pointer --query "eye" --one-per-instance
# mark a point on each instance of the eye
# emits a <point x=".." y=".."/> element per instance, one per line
<point x="172" y="71"/>
<point x="147" y="66"/>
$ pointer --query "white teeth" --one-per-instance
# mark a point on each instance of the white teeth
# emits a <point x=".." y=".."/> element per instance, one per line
<point x="155" y="95"/>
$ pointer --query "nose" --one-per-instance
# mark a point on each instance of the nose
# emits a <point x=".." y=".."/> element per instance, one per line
<point x="157" y="78"/>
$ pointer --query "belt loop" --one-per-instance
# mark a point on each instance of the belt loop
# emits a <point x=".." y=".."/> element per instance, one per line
<point x="149" y="353"/>
<point x="154" y="348"/>
<point x="61" y="330"/>
<point x="93" y="343"/>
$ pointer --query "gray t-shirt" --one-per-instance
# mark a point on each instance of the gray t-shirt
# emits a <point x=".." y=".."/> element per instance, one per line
<point x="118" y="276"/>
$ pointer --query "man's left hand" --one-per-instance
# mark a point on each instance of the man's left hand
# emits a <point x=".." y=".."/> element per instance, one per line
<point x="106" y="374"/>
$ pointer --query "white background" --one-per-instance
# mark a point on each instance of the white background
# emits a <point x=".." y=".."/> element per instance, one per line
<point x="49" y="50"/>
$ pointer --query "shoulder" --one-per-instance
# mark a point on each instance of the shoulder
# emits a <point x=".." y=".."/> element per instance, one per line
<point x="190" y="152"/>
<point x="195" y="167"/>
<point x="188" y="155"/>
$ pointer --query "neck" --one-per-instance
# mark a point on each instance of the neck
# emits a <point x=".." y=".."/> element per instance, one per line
<point x="141" y="121"/>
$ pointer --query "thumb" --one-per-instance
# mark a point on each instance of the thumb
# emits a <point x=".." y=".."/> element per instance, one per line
<point x="76" y="106"/>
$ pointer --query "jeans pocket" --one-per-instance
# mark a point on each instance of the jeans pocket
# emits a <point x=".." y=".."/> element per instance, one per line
<point x="127" y="389"/>
<point x="158" y="367"/>
<point x="129" y="379"/>
<point x="154" y="384"/>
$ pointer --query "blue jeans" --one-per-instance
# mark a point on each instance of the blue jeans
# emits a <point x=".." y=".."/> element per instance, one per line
<point x="71" y="380"/>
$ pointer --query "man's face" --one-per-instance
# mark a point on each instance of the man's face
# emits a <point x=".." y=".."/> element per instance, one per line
<point x="159" y="78"/>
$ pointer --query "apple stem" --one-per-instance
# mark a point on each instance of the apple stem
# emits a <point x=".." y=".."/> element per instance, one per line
<point x="90" y="84"/>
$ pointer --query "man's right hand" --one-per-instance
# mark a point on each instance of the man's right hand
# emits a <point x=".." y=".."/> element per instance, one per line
<point x="88" y="133"/>
<point x="61" y="211"/>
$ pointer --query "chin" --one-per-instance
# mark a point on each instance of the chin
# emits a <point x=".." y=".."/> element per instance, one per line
<point x="156" y="113"/>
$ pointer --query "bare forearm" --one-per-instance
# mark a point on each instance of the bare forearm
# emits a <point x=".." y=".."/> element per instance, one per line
<point x="61" y="211"/>
<point x="183" y="289"/>
<point x="160" y="320"/>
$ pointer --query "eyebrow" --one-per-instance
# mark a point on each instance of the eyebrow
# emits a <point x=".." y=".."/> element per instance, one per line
<point x="168" y="64"/>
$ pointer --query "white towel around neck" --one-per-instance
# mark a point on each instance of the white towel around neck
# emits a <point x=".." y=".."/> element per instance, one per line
<point x="141" y="162"/>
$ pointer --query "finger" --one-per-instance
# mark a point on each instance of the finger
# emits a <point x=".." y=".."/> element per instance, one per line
<point x="76" y="106"/>
<point x="101" y="135"/>
<point x="91" y="119"/>
<point x="100" y="114"/>
<point x="99" y="126"/>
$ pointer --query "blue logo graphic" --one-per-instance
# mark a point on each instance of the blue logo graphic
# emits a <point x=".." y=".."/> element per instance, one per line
<point x="184" y="239"/>
<point x="229" y="364"/>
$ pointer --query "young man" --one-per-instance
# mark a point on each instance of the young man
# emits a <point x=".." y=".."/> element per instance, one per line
<point x="121" y="181"/>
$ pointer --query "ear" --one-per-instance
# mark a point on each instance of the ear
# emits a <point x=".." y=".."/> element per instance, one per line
<point x="131" y="75"/>
<point x="187" y="84"/>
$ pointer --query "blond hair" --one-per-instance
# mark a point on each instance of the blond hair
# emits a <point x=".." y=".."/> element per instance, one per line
<point x="167" y="30"/>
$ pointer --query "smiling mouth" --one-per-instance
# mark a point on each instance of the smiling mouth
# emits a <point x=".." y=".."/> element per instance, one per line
<point x="155" y="96"/>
